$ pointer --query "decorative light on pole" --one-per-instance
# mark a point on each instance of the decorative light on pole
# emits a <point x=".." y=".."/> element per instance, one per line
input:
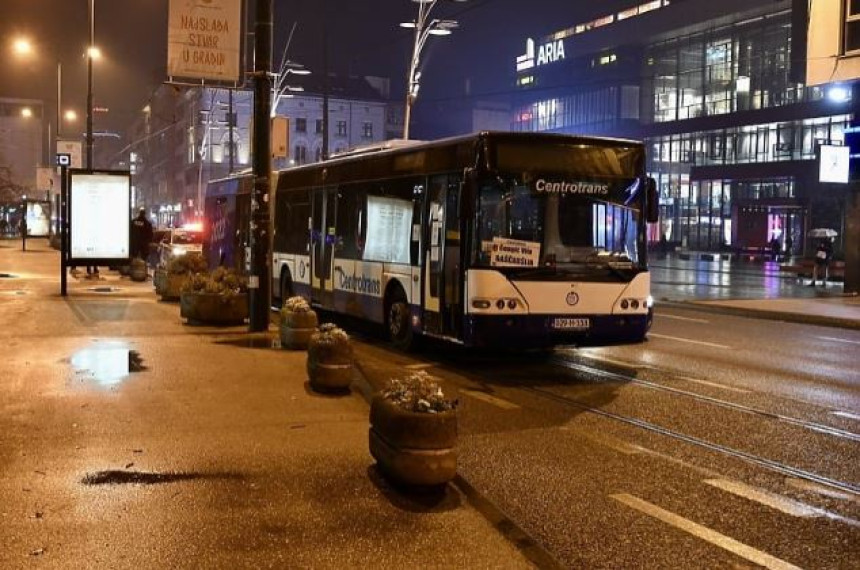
<point x="424" y="28"/>
<point x="280" y="86"/>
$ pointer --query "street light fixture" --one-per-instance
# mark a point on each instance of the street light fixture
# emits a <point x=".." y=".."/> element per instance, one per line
<point x="280" y="87"/>
<point x="424" y="27"/>
<point x="27" y="112"/>
<point x="22" y="46"/>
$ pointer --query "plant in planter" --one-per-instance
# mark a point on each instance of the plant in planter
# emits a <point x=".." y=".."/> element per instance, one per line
<point x="329" y="359"/>
<point x="218" y="298"/>
<point x="168" y="282"/>
<point x="413" y="431"/>
<point x="298" y="323"/>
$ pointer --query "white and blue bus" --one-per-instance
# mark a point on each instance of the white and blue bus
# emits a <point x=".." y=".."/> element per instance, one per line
<point x="493" y="239"/>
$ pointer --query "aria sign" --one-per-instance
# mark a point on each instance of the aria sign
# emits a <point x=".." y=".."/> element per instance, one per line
<point x="548" y="52"/>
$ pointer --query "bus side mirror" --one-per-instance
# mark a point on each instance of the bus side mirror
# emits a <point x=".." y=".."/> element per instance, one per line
<point x="652" y="201"/>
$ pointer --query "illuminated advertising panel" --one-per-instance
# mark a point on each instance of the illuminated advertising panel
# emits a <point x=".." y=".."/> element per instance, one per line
<point x="100" y="216"/>
<point x="833" y="164"/>
<point x="38" y="218"/>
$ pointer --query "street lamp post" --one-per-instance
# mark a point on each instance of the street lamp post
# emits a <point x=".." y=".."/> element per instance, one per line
<point x="424" y="28"/>
<point x="90" y="54"/>
<point x="23" y="47"/>
<point x="260" y="282"/>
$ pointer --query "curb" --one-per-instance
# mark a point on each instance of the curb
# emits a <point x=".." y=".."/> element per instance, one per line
<point x="799" y="318"/>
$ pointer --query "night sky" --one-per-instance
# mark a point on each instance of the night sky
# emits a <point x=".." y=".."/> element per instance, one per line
<point x="364" y="39"/>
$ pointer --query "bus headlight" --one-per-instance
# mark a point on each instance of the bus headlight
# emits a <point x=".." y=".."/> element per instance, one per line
<point x="480" y="303"/>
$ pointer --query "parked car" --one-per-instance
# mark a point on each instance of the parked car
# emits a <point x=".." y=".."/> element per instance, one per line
<point x="179" y="241"/>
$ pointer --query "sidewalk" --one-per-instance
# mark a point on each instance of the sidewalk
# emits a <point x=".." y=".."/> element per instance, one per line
<point x="757" y="290"/>
<point x="213" y="454"/>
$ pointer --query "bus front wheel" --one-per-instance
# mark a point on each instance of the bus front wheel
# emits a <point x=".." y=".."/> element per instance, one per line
<point x="286" y="286"/>
<point x="398" y="322"/>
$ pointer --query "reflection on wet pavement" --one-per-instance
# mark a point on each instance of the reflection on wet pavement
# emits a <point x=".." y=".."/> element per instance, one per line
<point x="674" y="278"/>
<point x="108" y="362"/>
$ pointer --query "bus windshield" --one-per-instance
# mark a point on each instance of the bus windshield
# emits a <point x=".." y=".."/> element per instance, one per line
<point x="531" y="221"/>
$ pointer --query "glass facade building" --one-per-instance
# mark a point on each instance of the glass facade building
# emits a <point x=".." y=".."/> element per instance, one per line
<point x="733" y="136"/>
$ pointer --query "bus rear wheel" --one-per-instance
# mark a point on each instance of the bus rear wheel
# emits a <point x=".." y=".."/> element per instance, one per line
<point x="398" y="323"/>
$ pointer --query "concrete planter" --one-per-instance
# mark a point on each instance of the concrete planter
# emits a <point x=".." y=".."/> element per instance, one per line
<point x="329" y="363"/>
<point x="213" y="309"/>
<point x="413" y="448"/>
<point x="168" y="285"/>
<point x="138" y="270"/>
<point x="296" y="329"/>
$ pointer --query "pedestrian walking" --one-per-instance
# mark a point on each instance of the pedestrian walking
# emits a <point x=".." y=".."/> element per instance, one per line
<point x="789" y="249"/>
<point x="23" y="227"/>
<point x="822" y="262"/>
<point x="775" y="248"/>
<point x="141" y="235"/>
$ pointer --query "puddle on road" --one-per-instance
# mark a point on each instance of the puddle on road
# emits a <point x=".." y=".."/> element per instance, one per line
<point x="252" y="342"/>
<point x="118" y="477"/>
<point x="107" y="362"/>
<point x="104" y="289"/>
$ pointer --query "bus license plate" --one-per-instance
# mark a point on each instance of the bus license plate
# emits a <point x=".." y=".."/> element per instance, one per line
<point x="569" y="324"/>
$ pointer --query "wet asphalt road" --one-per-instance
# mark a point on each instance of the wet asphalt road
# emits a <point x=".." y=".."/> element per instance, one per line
<point x="721" y="442"/>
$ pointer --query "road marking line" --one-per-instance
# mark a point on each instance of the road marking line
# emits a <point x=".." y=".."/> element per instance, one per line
<point x="607" y="441"/>
<point x="772" y="500"/>
<point x="848" y="415"/>
<point x="808" y="486"/>
<point x="613" y="360"/>
<point x="703" y="471"/>
<point x="712" y="384"/>
<point x="704" y="533"/>
<point x="484" y="397"/>
<point x="420" y="366"/>
<point x="680" y="318"/>
<point x="833" y="338"/>
<point x="703" y="343"/>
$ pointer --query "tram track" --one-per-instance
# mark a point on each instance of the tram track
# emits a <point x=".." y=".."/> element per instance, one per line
<point x="630" y="379"/>
<point x="752" y="458"/>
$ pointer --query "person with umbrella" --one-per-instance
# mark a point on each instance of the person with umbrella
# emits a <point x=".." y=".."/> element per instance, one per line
<point x="823" y="254"/>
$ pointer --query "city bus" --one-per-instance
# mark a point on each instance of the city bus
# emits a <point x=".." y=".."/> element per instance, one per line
<point x="508" y="240"/>
<point x="227" y="211"/>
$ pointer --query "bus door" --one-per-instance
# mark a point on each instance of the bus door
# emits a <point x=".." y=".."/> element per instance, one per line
<point x="322" y="245"/>
<point x="442" y="294"/>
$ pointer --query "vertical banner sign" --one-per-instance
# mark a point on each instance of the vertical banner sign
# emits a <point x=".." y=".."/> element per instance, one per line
<point x="204" y="39"/>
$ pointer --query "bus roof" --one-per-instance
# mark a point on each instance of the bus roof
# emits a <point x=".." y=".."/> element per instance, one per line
<point x="404" y="158"/>
<point x="237" y="183"/>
